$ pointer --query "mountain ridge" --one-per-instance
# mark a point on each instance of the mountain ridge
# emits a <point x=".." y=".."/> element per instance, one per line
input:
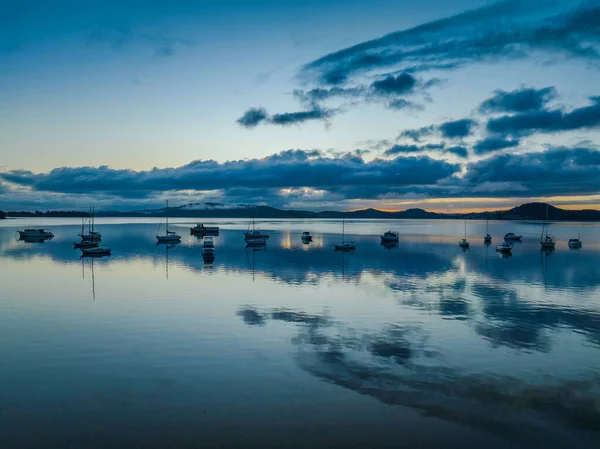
<point x="527" y="211"/>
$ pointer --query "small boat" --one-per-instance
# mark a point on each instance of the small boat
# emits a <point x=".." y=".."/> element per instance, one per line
<point x="254" y="234"/>
<point x="390" y="236"/>
<point x="91" y="234"/>
<point x="488" y="237"/>
<point x="575" y="243"/>
<point x="169" y="236"/>
<point x="201" y="229"/>
<point x="96" y="251"/>
<point x="344" y="246"/>
<point x="547" y="241"/>
<point x="31" y="233"/>
<point x="464" y="242"/>
<point x="256" y="242"/>
<point x="504" y="247"/>
<point x="511" y="236"/>
<point x="306" y="237"/>
<point x="86" y="244"/>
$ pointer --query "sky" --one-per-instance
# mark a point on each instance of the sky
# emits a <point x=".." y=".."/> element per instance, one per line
<point x="447" y="106"/>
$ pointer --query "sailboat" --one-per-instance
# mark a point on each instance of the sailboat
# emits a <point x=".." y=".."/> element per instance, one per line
<point x="547" y="241"/>
<point x="85" y="243"/>
<point x="344" y="246"/>
<point x="255" y="235"/>
<point x="464" y="243"/>
<point x="488" y="237"/>
<point x="91" y="235"/>
<point x="169" y="236"/>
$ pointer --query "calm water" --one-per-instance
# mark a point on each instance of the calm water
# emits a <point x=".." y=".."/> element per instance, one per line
<point x="297" y="345"/>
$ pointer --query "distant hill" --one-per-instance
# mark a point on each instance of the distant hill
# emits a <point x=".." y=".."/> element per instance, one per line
<point x="529" y="211"/>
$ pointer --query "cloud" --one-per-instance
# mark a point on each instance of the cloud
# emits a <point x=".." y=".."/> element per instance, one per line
<point x="257" y="177"/>
<point x="319" y="94"/>
<point x="458" y="151"/>
<point x="520" y="100"/>
<point x="419" y="133"/>
<point x="457" y="128"/>
<point x="253" y="117"/>
<point x="399" y="85"/>
<point x="292" y="118"/>
<point x="493" y="144"/>
<point x="558" y="171"/>
<point x="548" y="121"/>
<point x="504" y="30"/>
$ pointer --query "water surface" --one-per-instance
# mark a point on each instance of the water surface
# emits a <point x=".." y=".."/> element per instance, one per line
<point x="296" y="345"/>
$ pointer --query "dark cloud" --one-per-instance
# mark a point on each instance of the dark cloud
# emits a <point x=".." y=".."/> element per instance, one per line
<point x="558" y="171"/>
<point x="419" y="133"/>
<point x="494" y="144"/>
<point x="547" y="121"/>
<point x="457" y="128"/>
<point x="288" y="169"/>
<point x="292" y="118"/>
<point x="320" y="94"/>
<point x="521" y="100"/>
<point x="401" y="103"/>
<point x="508" y="29"/>
<point x="253" y="117"/>
<point x="458" y="151"/>
<point x="395" y="85"/>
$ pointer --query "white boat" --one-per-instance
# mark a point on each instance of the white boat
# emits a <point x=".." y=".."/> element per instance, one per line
<point x="504" y="247"/>
<point x="201" y="229"/>
<point x="511" y="236"/>
<point x="254" y="234"/>
<point x="575" y="243"/>
<point x="91" y="234"/>
<point x="168" y="236"/>
<point x="306" y="237"/>
<point x="488" y="237"/>
<point x="344" y="246"/>
<point x="31" y="233"/>
<point x="256" y="242"/>
<point x="463" y="242"/>
<point x="97" y="251"/>
<point x="390" y="236"/>
<point x="546" y="241"/>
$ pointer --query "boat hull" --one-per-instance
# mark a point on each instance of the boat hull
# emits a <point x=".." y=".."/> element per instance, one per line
<point x="35" y="235"/>
<point x="168" y="238"/>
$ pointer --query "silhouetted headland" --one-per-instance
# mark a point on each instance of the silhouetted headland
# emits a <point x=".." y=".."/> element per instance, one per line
<point x="529" y="211"/>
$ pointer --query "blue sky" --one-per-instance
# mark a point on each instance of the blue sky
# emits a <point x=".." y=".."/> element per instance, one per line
<point x="317" y="104"/>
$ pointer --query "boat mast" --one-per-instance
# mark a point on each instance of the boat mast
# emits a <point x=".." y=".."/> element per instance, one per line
<point x="92" y="220"/>
<point x="465" y="229"/>
<point x="343" y="225"/>
<point x="167" y="216"/>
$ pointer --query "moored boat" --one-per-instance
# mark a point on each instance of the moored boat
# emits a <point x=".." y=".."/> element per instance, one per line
<point x="390" y="236"/>
<point x="488" y="238"/>
<point x="344" y="246"/>
<point x="86" y="244"/>
<point x="168" y="236"/>
<point x="464" y="243"/>
<point x="546" y="241"/>
<point x="512" y="236"/>
<point x="96" y="251"/>
<point x="575" y="243"/>
<point x="201" y="229"/>
<point x="504" y="247"/>
<point x="306" y="237"/>
<point x="32" y="233"/>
